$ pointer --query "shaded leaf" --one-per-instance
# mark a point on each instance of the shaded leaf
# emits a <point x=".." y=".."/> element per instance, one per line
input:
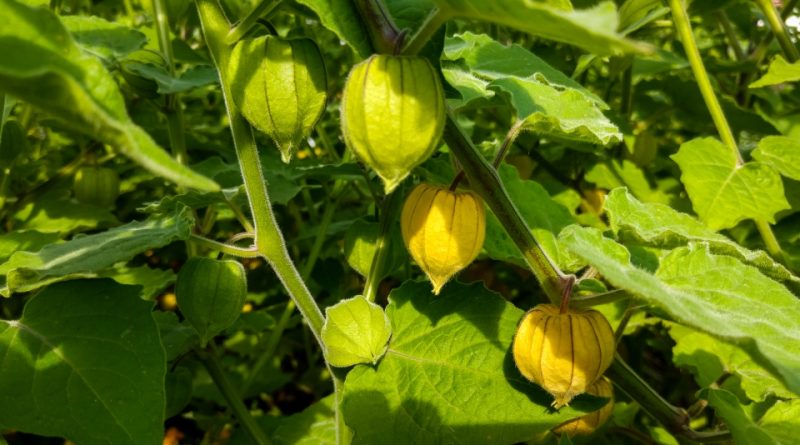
<point x="85" y="363"/>
<point x="43" y="66"/>
<point x="54" y="212"/>
<point x="195" y="77"/>
<point x="714" y="294"/>
<point x="544" y="216"/>
<point x="101" y="38"/>
<point x="724" y="193"/>
<point x="743" y="429"/>
<point x="710" y="359"/>
<point x="341" y="17"/>
<point x="84" y="256"/>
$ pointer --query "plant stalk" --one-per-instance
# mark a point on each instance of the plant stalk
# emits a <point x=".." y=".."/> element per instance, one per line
<point x="227" y="249"/>
<point x="212" y="365"/>
<point x="779" y="30"/>
<point x="391" y="204"/>
<point x="382" y="30"/>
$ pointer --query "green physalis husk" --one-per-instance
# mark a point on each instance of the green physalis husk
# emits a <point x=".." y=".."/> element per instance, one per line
<point x="280" y="87"/>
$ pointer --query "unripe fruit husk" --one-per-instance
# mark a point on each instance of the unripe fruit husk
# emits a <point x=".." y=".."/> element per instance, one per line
<point x="393" y="114"/>
<point x="587" y="423"/>
<point x="97" y="186"/>
<point x="210" y="294"/>
<point x="443" y="230"/>
<point x="563" y="353"/>
<point x="280" y="86"/>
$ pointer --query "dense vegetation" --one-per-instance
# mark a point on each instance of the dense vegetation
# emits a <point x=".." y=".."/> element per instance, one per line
<point x="202" y="244"/>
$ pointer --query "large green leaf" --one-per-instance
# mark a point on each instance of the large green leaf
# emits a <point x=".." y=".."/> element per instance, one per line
<point x="718" y="295"/>
<point x="549" y="102"/>
<point x="723" y="193"/>
<point x="743" y="429"/>
<point x="341" y="17"/>
<point x="658" y="225"/>
<point x="43" y="66"/>
<point x="594" y="29"/>
<point x="781" y="153"/>
<point x="545" y="218"/>
<point x="780" y="71"/>
<point x="448" y="375"/>
<point x="85" y="363"/>
<point x="86" y="256"/>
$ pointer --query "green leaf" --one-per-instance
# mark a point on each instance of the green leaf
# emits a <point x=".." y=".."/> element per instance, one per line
<point x="152" y="281"/>
<point x="448" y="375"/>
<point x="594" y="29"/>
<point x="85" y="256"/>
<point x="85" y="363"/>
<point x="177" y="336"/>
<point x="782" y="421"/>
<point x="341" y="17"/>
<point x="779" y="72"/>
<point x="355" y="331"/>
<point x="487" y="59"/>
<point x="544" y="216"/>
<point x="743" y="429"/>
<point x="781" y="153"/>
<point x="563" y="114"/>
<point x="547" y="100"/>
<point x="661" y="226"/>
<point x="195" y="77"/>
<point x="615" y="173"/>
<point x="316" y="425"/>
<point x="723" y="193"/>
<point x="710" y="359"/>
<point x="714" y="294"/>
<point x="24" y="240"/>
<point x="359" y="246"/>
<point x="101" y="38"/>
<point x="43" y="66"/>
<point x="54" y="212"/>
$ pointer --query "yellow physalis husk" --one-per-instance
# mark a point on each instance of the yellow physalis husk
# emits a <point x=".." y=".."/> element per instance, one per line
<point x="443" y="230"/>
<point x="587" y="423"/>
<point x="563" y="353"/>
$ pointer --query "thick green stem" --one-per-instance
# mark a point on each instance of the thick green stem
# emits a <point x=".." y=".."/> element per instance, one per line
<point x="269" y="239"/>
<point x="701" y="76"/>
<point x="217" y="374"/>
<point x="684" y="28"/>
<point x="779" y="30"/>
<point x="391" y="204"/>
<point x="485" y="181"/>
<point x="435" y="19"/>
<point x="243" y="26"/>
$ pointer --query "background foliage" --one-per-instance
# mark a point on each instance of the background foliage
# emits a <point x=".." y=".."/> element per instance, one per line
<point x="661" y="169"/>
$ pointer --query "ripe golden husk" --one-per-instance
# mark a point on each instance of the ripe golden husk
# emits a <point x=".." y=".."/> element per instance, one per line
<point x="393" y="114"/>
<point x="563" y="353"/>
<point x="587" y="423"/>
<point x="443" y="230"/>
